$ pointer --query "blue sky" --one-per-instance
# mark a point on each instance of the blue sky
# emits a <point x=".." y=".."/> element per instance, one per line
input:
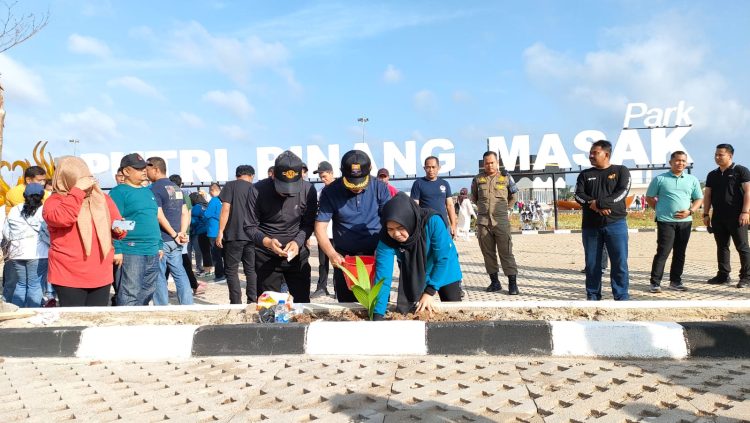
<point x="167" y="75"/>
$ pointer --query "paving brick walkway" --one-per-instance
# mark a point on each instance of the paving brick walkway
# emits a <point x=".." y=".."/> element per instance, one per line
<point x="550" y="265"/>
<point x="301" y="389"/>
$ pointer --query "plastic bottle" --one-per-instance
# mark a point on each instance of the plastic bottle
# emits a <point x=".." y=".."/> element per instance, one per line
<point x="281" y="313"/>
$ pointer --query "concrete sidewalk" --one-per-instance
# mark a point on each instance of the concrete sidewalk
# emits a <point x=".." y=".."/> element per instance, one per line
<point x="337" y="389"/>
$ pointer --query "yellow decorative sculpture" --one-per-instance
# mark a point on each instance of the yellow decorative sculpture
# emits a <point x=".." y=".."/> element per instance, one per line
<point x="38" y="155"/>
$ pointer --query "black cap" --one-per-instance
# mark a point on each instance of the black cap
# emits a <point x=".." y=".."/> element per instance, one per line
<point x="133" y="160"/>
<point x="355" y="168"/>
<point x="287" y="173"/>
<point x="323" y="167"/>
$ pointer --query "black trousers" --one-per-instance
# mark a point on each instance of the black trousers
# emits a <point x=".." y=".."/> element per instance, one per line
<point x="234" y="253"/>
<point x="450" y="292"/>
<point x="323" y="268"/>
<point x="273" y="270"/>
<point x="83" y="297"/>
<point x="217" y="256"/>
<point x="726" y="228"/>
<point x="670" y="237"/>
<point x="205" y="245"/>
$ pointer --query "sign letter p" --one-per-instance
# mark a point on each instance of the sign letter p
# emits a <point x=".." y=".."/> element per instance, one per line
<point x="631" y="112"/>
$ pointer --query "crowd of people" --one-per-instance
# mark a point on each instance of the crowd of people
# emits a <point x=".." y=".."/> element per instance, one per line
<point x="78" y="245"/>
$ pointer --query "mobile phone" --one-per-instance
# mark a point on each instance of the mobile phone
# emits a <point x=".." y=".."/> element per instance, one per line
<point x="125" y="225"/>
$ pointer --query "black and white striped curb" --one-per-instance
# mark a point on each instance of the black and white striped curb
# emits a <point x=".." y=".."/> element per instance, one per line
<point x="570" y="231"/>
<point x="578" y="231"/>
<point x="403" y="338"/>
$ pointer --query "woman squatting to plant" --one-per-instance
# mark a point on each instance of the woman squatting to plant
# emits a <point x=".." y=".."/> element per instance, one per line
<point x="426" y="254"/>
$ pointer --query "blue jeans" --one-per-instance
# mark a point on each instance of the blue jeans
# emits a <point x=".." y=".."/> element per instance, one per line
<point x="173" y="259"/>
<point x="137" y="277"/>
<point x="615" y="237"/>
<point x="27" y="276"/>
<point x="9" y="283"/>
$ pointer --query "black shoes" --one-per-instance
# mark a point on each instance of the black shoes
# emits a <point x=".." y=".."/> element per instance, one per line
<point x="512" y="285"/>
<point x="494" y="284"/>
<point x="679" y="286"/>
<point x="494" y="287"/>
<point x="655" y="289"/>
<point x="743" y="283"/>
<point x="718" y="280"/>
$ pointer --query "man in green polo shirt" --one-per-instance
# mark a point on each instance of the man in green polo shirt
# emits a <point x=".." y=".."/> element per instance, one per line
<point x="675" y="195"/>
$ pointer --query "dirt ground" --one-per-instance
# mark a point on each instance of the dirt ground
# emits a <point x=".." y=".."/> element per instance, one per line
<point x="250" y="315"/>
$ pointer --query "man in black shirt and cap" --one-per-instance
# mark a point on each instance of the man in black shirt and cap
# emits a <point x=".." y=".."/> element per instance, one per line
<point x="280" y="220"/>
<point x="728" y="193"/>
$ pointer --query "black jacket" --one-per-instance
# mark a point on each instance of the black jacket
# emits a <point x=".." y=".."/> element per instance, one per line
<point x="284" y="218"/>
<point x="608" y="187"/>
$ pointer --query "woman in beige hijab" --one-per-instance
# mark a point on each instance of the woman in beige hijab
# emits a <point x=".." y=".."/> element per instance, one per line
<point x="79" y="217"/>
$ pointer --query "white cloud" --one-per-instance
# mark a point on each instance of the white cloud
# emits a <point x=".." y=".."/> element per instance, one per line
<point x="87" y="45"/>
<point x="90" y="124"/>
<point x="137" y="86"/>
<point x="233" y="132"/>
<point x="392" y="75"/>
<point x="234" y="57"/>
<point x="425" y="101"/>
<point x="659" y="63"/>
<point x="141" y="32"/>
<point x="233" y="101"/>
<point x="461" y="96"/>
<point x="325" y="22"/>
<point x="191" y="120"/>
<point x="21" y="84"/>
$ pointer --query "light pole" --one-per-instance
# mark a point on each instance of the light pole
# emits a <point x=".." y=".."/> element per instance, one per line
<point x="363" y="120"/>
<point x="75" y="144"/>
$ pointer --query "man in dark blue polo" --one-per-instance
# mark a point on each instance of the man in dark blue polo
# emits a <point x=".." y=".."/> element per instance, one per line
<point x="353" y="203"/>
<point x="434" y="192"/>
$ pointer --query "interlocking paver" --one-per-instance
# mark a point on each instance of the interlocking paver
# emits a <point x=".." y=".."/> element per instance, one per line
<point x="302" y="389"/>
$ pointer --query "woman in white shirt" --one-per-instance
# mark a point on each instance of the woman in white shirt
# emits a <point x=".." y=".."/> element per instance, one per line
<point x="27" y="239"/>
<point x="465" y="212"/>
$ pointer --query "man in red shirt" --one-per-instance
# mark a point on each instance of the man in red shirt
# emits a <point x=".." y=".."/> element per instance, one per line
<point x="385" y="176"/>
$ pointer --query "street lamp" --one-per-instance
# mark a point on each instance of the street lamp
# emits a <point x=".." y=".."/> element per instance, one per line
<point x="363" y="120"/>
<point x="75" y="144"/>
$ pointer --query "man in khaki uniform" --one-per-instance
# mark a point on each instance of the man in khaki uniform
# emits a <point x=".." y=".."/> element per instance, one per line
<point x="494" y="194"/>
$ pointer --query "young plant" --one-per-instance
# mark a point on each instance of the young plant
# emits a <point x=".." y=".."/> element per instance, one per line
<point x="365" y="293"/>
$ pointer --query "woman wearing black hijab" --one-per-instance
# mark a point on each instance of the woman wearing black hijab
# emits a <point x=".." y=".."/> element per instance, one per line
<point x="426" y="254"/>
